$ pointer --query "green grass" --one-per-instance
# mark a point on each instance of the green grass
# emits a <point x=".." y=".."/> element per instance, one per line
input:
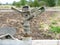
<point x="55" y="29"/>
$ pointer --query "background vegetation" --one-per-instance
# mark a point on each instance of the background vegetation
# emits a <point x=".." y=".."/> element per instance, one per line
<point x="35" y="3"/>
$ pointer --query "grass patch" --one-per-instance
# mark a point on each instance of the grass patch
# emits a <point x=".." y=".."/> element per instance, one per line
<point x="55" y="29"/>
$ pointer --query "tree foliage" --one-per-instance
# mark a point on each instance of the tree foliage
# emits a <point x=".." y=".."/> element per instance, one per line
<point x="23" y="2"/>
<point x="42" y="3"/>
<point x="36" y="3"/>
<point x="59" y="2"/>
<point x="30" y="3"/>
<point x="16" y="4"/>
<point x="50" y="3"/>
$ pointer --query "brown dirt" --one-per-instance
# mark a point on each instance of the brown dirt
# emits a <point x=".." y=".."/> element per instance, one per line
<point x="14" y="19"/>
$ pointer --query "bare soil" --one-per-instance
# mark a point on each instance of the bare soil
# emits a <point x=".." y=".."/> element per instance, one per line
<point x="14" y="19"/>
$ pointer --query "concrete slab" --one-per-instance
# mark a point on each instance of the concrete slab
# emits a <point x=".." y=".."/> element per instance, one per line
<point x="14" y="42"/>
<point x="45" y="42"/>
<point x="33" y="42"/>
